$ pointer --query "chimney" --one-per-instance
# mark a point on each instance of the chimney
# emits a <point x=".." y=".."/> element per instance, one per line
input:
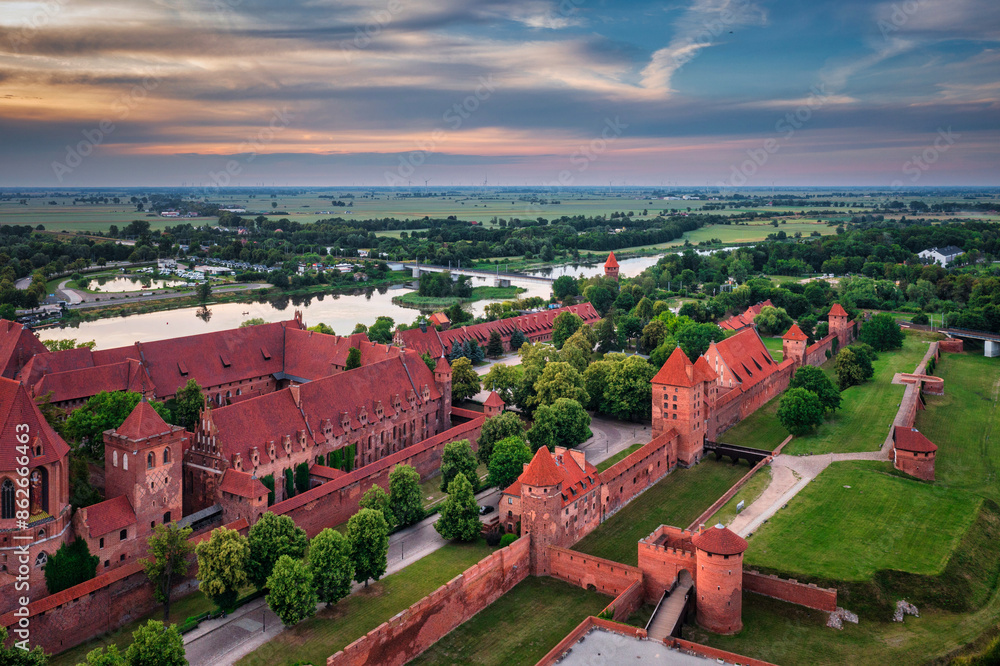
<point x="296" y="394"/>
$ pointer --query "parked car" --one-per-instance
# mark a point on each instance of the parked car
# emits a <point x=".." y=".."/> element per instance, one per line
<point x="483" y="510"/>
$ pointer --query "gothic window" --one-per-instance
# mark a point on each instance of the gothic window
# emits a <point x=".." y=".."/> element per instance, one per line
<point x="150" y="460"/>
<point x="123" y="534"/>
<point x="125" y="461"/>
<point x="7" y="499"/>
<point x="42" y="559"/>
<point x="166" y="455"/>
<point x="114" y="458"/>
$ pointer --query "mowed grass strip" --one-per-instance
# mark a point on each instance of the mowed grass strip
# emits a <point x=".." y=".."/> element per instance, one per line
<point x="621" y="455"/>
<point x="334" y="628"/>
<point x="748" y="494"/>
<point x="861" y="423"/>
<point x="964" y="423"/>
<point x="677" y="499"/>
<point x="519" y="628"/>
<point x="881" y="521"/>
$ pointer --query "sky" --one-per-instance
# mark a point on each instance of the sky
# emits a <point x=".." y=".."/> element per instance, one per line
<point x="728" y="93"/>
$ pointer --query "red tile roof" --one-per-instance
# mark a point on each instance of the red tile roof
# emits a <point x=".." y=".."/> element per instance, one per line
<point x="309" y="355"/>
<point x="439" y="319"/>
<point x="324" y="472"/>
<point x="493" y="400"/>
<point x="89" y="381"/>
<point x="541" y="471"/>
<point x="143" y="423"/>
<point x="562" y="469"/>
<point x="794" y="333"/>
<point x="17" y="408"/>
<point x="719" y="540"/>
<point x="109" y="516"/>
<point x="837" y="311"/>
<point x="17" y="346"/>
<point x="242" y="484"/>
<point x="611" y="262"/>
<point x="911" y="439"/>
<point x="740" y="321"/>
<point x="680" y="371"/>
<point x="442" y="366"/>
<point x="747" y="357"/>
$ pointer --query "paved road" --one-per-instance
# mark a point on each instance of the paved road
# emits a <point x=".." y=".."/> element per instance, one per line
<point x="78" y="305"/>
<point x="23" y="283"/>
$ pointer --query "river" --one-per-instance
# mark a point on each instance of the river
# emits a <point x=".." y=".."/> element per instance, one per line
<point x="339" y="311"/>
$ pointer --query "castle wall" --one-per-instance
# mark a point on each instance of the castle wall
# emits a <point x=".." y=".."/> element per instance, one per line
<point x="584" y="571"/>
<point x="915" y="463"/>
<point x="636" y="472"/>
<point x="791" y="590"/>
<point x="63" y="620"/>
<point x="662" y="556"/>
<point x="816" y="352"/>
<point x="555" y="655"/>
<point x="336" y="501"/>
<point x="952" y="345"/>
<point x="412" y="631"/>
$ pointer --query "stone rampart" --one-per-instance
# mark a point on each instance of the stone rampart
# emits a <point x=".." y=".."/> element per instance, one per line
<point x="790" y="590"/>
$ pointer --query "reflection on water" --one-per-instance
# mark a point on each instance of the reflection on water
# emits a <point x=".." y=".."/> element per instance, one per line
<point x="115" y="285"/>
<point x="339" y="311"/>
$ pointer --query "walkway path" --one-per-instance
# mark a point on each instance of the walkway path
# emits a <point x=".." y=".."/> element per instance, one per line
<point x="667" y="616"/>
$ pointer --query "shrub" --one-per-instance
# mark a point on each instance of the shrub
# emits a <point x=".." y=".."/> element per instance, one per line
<point x="507" y="539"/>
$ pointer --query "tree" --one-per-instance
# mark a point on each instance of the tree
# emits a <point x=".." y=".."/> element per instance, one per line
<point x="565" y="286"/>
<point x="800" y="411"/>
<point x="156" y="643"/>
<point x="109" y="656"/>
<point x="321" y="328"/>
<point x="600" y="297"/>
<point x="381" y="330"/>
<point x="644" y="309"/>
<point x="353" y="358"/>
<point x="866" y="356"/>
<point x="507" y="461"/>
<point x="458" y="458"/>
<point x="301" y="477"/>
<point x="377" y="499"/>
<point x="405" y="499"/>
<point x="368" y="536"/>
<point x="428" y="361"/>
<point x="464" y="380"/>
<point x="653" y="335"/>
<point x="169" y="549"/>
<point x="104" y="411"/>
<point x="504" y="380"/>
<point x="291" y="594"/>
<point x="459" y="514"/>
<point x="695" y="339"/>
<point x="222" y="563"/>
<point x="607" y="339"/>
<point x="494" y="348"/>
<point x="564" y="423"/>
<point x="517" y="339"/>
<point x="271" y="537"/>
<point x="813" y="379"/>
<point x="71" y="565"/>
<point x="495" y="429"/>
<point x="559" y="380"/>
<point x="333" y="570"/>
<point x="851" y="369"/>
<point x="16" y="656"/>
<point x="204" y="291"/>
<point x="565" y="325"/>
<point x="255" y="321"/>
<point x="772" y="320"/>
<point x="187" y="404"/>
<point x="628" y="393"/>
<point x="882" y="333"/>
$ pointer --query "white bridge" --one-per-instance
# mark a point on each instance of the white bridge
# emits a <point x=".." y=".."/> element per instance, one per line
<point x="500" y="278"/>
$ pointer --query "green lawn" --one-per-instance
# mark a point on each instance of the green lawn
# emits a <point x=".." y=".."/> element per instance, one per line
<point x="333" y="629"/>
<point x="750" y="491"/>
<point x="861" y="423"/>
<point x="621" y="455"/>
<point x="969" y="446"/>
<point x="193" y="604"/>
<point x="518" y="628"/>
<point x="412" y="298"/>
<point x="431" y="491"/>
<point x="774" y="346"/>
<point x="677" y="499"/>
<point x="882" y="521"/>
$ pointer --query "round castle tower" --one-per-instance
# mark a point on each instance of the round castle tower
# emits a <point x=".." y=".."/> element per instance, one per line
<point x="719" y="587"/>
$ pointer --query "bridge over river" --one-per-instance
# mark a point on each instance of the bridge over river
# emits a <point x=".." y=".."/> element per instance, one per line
<point x="500" y="278"/>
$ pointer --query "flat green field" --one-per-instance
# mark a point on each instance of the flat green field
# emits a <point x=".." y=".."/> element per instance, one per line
<point x="750" y="491"/>
<point x="968" y="454"/>
<point x="774" y="346"/>
<point x="677" y="499"/>
<point x="855" y="519"/>
<point x="621" y="455"/>
<point x="861" y="423"/>
<point x="519" y="628"/>
<point x="334" y="628"/>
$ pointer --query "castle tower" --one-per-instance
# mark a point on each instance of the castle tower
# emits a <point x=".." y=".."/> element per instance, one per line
<point x="838" y="324"/>
<point x="913" y="453"/>
<point x="719" y="579"/>
<point x="493" y="405"/>
<point x="142" y="462"/>
<point x="442" y="377"/>
<point x="793" y="345"/>
<point x="682" y="400"/>
<point x="611" y="267"/>
<point x="541" y="505"/>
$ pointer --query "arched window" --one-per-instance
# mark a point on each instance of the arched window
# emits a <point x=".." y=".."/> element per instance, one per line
<point x="166" y="455"/>
<point x="125" y="461"/>
<point x="7" y="499"/>
<point x="42" y="559"/>
<point x="150" y="460"/>
<point x="114" y="458"/>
